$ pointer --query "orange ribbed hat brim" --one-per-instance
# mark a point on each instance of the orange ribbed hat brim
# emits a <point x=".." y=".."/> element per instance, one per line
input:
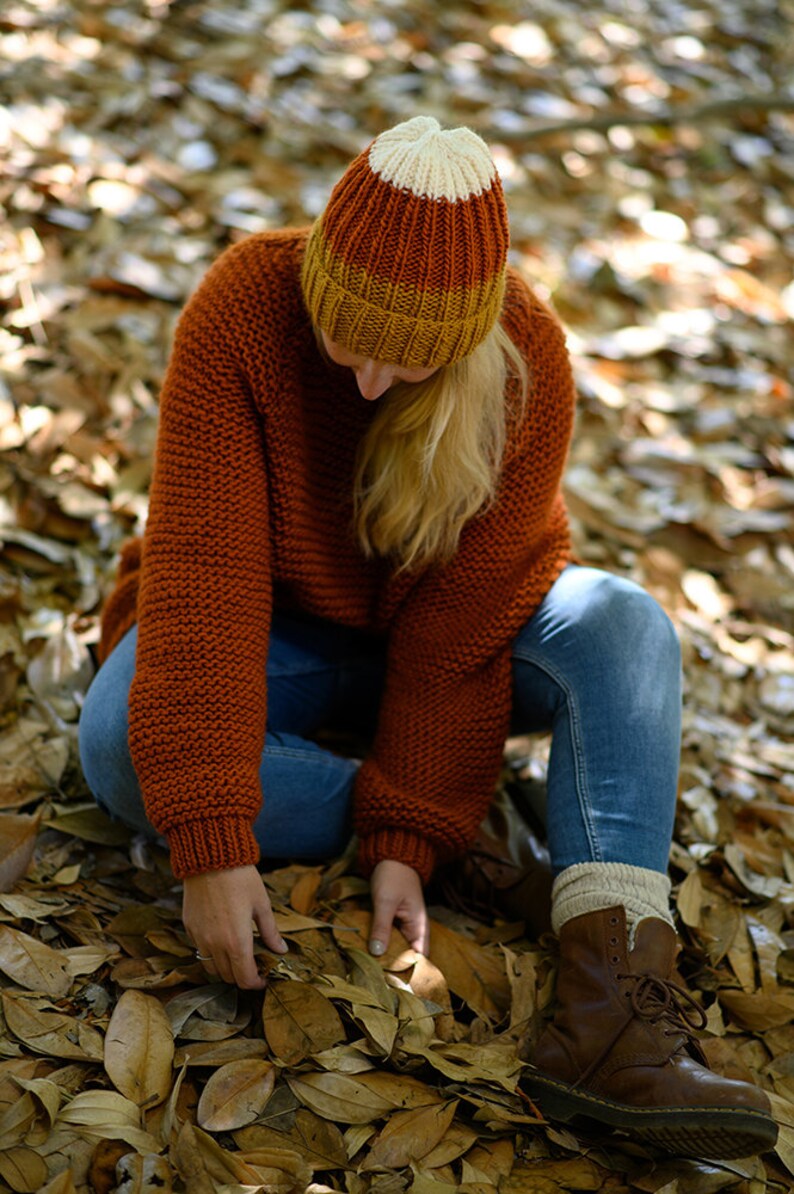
<point x="404" y="278"/>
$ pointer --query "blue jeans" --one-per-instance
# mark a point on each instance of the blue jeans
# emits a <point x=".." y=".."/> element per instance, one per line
<point x="598" y="664"/>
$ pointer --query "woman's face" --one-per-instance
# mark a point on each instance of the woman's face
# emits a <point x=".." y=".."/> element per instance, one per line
<point x="374" y="378"/>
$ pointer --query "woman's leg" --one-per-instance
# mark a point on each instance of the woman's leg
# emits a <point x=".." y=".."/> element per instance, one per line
<point x="599" y="663"/>
<point x="313" y="669"/>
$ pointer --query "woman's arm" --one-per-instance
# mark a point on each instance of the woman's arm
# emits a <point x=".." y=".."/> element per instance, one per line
<point x="198" y="701"/>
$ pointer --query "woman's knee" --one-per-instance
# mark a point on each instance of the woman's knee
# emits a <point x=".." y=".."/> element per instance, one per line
<point x="616" y="610"/>
<point x="103" y="728"/>
<point x="102" y="737"/>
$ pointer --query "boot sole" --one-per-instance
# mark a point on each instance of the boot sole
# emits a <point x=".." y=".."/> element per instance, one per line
<point x="716" y="1133"/>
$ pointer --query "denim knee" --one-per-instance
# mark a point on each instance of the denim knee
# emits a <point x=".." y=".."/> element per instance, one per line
<point x="103" y="743"/>
<point x="621" y="604"/>
<point x="638" y="637"/>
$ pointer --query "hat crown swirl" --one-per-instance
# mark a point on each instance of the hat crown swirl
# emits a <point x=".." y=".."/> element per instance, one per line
<point x="431" y="162"/>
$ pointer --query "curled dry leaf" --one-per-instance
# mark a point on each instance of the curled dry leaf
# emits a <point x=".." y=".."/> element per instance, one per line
<point x="201" y="1156"/>
<point x="236" y="1094"/>
<point x="16" y="1121"/>
<point x="139" y="1049"/>
<point x="52" y="1033"/>
<point x="279" y="1169"/>
<point x="62" y="1183"/>
<point x="32" y="964"/>
<point x="474" y="972"/>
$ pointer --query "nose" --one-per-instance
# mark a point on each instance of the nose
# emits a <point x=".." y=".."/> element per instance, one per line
<point x="374" y="378"/>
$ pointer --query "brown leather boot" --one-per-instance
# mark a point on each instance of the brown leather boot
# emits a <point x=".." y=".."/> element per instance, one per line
<point x="506" y="871"/>
<point x="620" y="1050"/>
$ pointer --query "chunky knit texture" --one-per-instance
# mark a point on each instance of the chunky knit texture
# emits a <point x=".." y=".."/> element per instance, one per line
<point x="593" y="886"/>
<point x="407" y="262"/>
<point x="251" y="508"/>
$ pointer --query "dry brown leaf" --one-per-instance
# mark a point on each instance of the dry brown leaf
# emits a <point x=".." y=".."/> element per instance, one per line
<point x="200" y="1156"/>
<point x="47" y="1094"/>
<point x="379" y="1027"/>
<point x="457" y="1140"/>
<point x="302" y="896"/>
<point x="138" y="1174"/>
<point x="339" y="1097"/>
<point x="16" y="1121"/>
<point x="236" y="1094"/>
<point x="101" y="1176"/>
<point x="417" y="1024"/>
<point x="22" y="1169"/>
<point x="32" y="964"/>
<point x="474" y="973"/>
<point x="494" y="1158"/>
<point x="573" y="1173"/>
<point x="361" y="1099"/>
<point x="756" y="1010"/>
<point x="190" y="1163"/>
<point x="51" y="1033"/>
<point x="17" y="843"/>
<point x="367" y="972"/>
<point x="318" y="1141"/>
<point x="62" y="1183"/>
<point x="217" y="1053"/>
<point x="496" y="1062"/>
<point x="298" y="1021"/>
<point x="139" y="1049"/>
<point x="281" y="1170"/>
<point x="409" y="1136"/>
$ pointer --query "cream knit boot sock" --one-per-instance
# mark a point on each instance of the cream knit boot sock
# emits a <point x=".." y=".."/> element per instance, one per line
<point x="591" y="886"/>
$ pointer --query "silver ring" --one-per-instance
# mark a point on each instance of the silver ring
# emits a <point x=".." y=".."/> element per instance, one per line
<point x="203" y="957"/>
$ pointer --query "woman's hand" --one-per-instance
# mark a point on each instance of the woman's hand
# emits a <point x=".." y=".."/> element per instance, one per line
<point x="217" y="909"/>
<point x="397" y="895"/>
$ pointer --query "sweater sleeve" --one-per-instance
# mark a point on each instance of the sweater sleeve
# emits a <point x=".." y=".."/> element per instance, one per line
<point x="204" y="602"/>
<point x="445" y="712"/>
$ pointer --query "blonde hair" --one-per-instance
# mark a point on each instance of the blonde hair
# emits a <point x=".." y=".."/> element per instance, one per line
<point x="431" y="458"/>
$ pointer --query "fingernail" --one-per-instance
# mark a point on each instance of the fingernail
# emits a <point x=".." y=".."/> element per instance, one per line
<point x="377" y="948"/>
<point x="283" y="945"/>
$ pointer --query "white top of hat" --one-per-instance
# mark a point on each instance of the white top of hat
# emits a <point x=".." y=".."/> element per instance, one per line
<point x="431" y="162"/>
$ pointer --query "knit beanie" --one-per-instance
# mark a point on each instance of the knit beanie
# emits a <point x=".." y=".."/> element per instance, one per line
<point x="407" y="262"/>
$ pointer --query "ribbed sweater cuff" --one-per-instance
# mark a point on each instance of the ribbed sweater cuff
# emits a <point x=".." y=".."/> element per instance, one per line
<point x="212" y="844"/>
<point x="400" y="845"/>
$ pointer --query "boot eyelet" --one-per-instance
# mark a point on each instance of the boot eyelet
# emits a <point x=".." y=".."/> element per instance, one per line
<point x="615" y="961"/>
<point x="613" y="920"/>
<point x="613" y="940"/>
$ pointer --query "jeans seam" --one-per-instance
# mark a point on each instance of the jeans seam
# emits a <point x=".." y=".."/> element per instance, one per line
<point x="574" y="718"/>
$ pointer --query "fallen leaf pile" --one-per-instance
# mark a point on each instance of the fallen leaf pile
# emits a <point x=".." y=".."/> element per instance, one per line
<point x="647" y="154"/>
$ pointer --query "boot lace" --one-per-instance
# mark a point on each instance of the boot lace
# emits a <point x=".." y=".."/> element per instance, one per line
<point x="661" y="1001"/>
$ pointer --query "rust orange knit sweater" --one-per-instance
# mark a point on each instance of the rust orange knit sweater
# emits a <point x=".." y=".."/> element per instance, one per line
<point x="251" y="508"/>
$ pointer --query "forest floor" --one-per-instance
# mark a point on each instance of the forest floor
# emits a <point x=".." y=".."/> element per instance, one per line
<point x="647" y="153"/>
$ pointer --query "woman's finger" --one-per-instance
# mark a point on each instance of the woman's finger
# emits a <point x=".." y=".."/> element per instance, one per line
<point x="383" y="910"/>
<point x="415" y="929"/>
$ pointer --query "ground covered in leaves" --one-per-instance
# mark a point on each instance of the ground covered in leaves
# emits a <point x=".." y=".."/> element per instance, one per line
<point x="647" y="152"/>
